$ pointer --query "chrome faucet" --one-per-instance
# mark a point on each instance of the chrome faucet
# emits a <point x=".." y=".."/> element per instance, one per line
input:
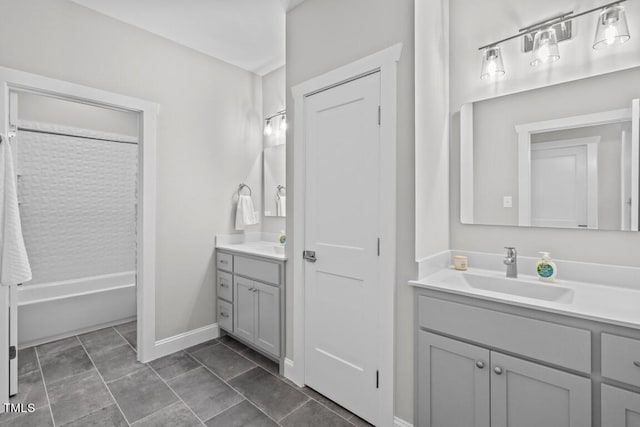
<point x="511" y="261"/>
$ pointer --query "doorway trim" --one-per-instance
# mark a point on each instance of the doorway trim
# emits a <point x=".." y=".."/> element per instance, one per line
<point x="385" y="62"/>
<point x="11" y="79"/>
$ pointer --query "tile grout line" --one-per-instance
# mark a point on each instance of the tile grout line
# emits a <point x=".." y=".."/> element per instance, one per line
<point x="44" y="384"/>
<point x="162" y="379"/>
<point x="103" y="381"/>
<point x="298" y="407"/>
<point x="177" y="395"/>
<point x="234" y="389"/>
<point x="279" y="377"/>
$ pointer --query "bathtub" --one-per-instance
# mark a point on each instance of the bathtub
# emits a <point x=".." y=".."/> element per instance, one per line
<point x="50" y="311"/>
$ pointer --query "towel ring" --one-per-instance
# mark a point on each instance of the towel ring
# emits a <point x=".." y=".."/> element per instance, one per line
<point x="279" y="191"/>
<point x="243" y="185"/>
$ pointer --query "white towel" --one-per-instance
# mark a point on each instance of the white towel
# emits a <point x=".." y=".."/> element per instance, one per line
<point x="14" y="264"/>
<point x="245" y="213"/>
<point x="281" y="206"/>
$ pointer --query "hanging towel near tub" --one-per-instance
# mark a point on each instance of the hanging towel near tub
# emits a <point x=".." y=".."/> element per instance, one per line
<point x="281" y="206"/>
<point x="14" y="264"/>
<point x="245" y="213"/>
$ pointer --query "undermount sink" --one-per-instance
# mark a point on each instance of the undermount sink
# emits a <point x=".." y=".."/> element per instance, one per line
<point x="521" y="288"/>
<point x="272" y="248"/>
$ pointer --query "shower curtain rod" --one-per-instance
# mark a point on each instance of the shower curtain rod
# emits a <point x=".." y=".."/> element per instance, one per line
<point x="47" y="132"/>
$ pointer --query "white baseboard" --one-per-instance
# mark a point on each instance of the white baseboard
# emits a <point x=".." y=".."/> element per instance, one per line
<point x="170" y="345"/>
<point x="399" y="422"/>
<point x="291" y="374"/>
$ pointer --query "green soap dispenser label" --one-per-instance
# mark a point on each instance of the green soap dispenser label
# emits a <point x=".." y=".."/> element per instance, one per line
<point x="544" y="270"/>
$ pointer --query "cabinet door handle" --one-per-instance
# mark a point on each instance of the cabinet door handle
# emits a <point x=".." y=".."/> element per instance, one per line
<point x="251" y="289"/>
<point x="497" y="370"/>
<point x="224" y="315"/>
<point x="480" y="364"/>
<point x="637" y="363"/>
<point x="223" y="285"/>
<point x="224" y="261"/>
<point x="255" y="289"/>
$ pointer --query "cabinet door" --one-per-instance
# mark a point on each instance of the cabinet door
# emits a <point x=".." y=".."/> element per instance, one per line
<point x="243" y="308"/>
<point x="453" y="383"/>
<point x="267" y="329"/>
<point x="620" y="408"/>
<point x="525" y="394"/>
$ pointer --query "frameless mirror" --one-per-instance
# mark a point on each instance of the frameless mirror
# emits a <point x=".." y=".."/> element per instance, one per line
<point x="275" y="192"/>
<point x="562" y="156"/>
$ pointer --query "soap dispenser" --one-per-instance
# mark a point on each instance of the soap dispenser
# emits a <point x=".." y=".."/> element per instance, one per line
<point x="546" y="268"/>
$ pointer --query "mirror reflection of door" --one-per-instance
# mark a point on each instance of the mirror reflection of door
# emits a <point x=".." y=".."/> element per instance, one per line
<point x="564" y="177"/>
<point x="275" y="192"/>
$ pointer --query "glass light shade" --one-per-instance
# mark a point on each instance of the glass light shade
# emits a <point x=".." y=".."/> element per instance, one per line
<point x="612" y="27"/>
<point x="492" y="64"/>
<point x="283" y="123"/>
<point x="268" y="128"/>
<point x="545" y="47"/>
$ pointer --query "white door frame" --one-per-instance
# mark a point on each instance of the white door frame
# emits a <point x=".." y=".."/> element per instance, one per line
<point x="146" y="236"/>
<point x="385" y="62"/>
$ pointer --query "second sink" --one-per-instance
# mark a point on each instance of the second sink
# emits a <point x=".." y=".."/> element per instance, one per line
<point x="519" y="288"/>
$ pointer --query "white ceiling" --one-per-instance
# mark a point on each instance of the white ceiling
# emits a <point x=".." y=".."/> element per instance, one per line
<point x="246" y="33"/>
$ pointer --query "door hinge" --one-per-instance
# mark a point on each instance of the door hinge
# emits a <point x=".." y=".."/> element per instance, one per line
<point x="12" y="352"/>
<point x="377" y="379"/>
<point x="378" y="246"/>
<point x="379" y="115"/>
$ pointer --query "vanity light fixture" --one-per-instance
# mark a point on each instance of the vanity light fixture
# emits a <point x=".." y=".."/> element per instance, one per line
<point x="268" y="126"/>
<point x="542" y="38"/>
<point x="612" y="27"/>
<point x="545" y="47"/>
<point x="492" y="64"/>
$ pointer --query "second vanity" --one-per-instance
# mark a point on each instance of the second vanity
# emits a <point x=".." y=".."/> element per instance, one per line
<point x="250" y="291"/>
<point x="500" y="352"/>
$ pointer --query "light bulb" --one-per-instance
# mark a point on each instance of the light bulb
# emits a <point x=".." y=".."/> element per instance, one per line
<point x="268" y="128"/>
<point x="283" y="123"/>
<point x="492" y="64"/>
<point x="545" y="47"/>
<point x="612" y="27"/>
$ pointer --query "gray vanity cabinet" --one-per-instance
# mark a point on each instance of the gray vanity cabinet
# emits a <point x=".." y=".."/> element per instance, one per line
<point x="528" y="394"/>
<point x="620" y="408"/>
<point x="453" y="386"/>
<point x="257" y="314"/>
<point x="244" y="313"/>
<point x="251" y="300"/>
<point x="464" y="385"/>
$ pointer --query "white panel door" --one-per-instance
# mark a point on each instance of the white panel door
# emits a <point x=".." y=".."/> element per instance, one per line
<point x="453" y="383"/>
<point x="525" y="394"/>
<point x="342" y="227"/>
<point x="559" y="187"/>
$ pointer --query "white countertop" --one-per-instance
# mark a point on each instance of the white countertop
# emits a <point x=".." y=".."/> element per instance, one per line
<point x="603" y="303"/>
<point x="257" y="248"/>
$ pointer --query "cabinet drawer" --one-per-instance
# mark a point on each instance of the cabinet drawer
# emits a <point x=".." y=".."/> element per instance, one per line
<point x="225" y="315"/>
<point x="549" y="342"/>
<point x="620" y="408"/>
<point x="224" y="261"/>
<point x="225" y="286"/>
<point x="621" y="359"/>
<point x="260" y="270"/>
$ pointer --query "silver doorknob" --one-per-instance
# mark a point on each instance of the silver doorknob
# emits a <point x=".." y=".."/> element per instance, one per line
<point x="480" y="364"/>
<point x="497" y="370"/>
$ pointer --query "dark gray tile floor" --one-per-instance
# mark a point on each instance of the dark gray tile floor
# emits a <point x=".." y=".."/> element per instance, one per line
<point x="95" y="380"/>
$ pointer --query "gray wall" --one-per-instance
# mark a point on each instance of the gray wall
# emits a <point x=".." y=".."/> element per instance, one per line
<point x="323" y="35"/>
<point x="473" y="24"/>
<point x="209" y="132"/>
<point x="273" y="100"/>
<point x="495" y="142"/>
